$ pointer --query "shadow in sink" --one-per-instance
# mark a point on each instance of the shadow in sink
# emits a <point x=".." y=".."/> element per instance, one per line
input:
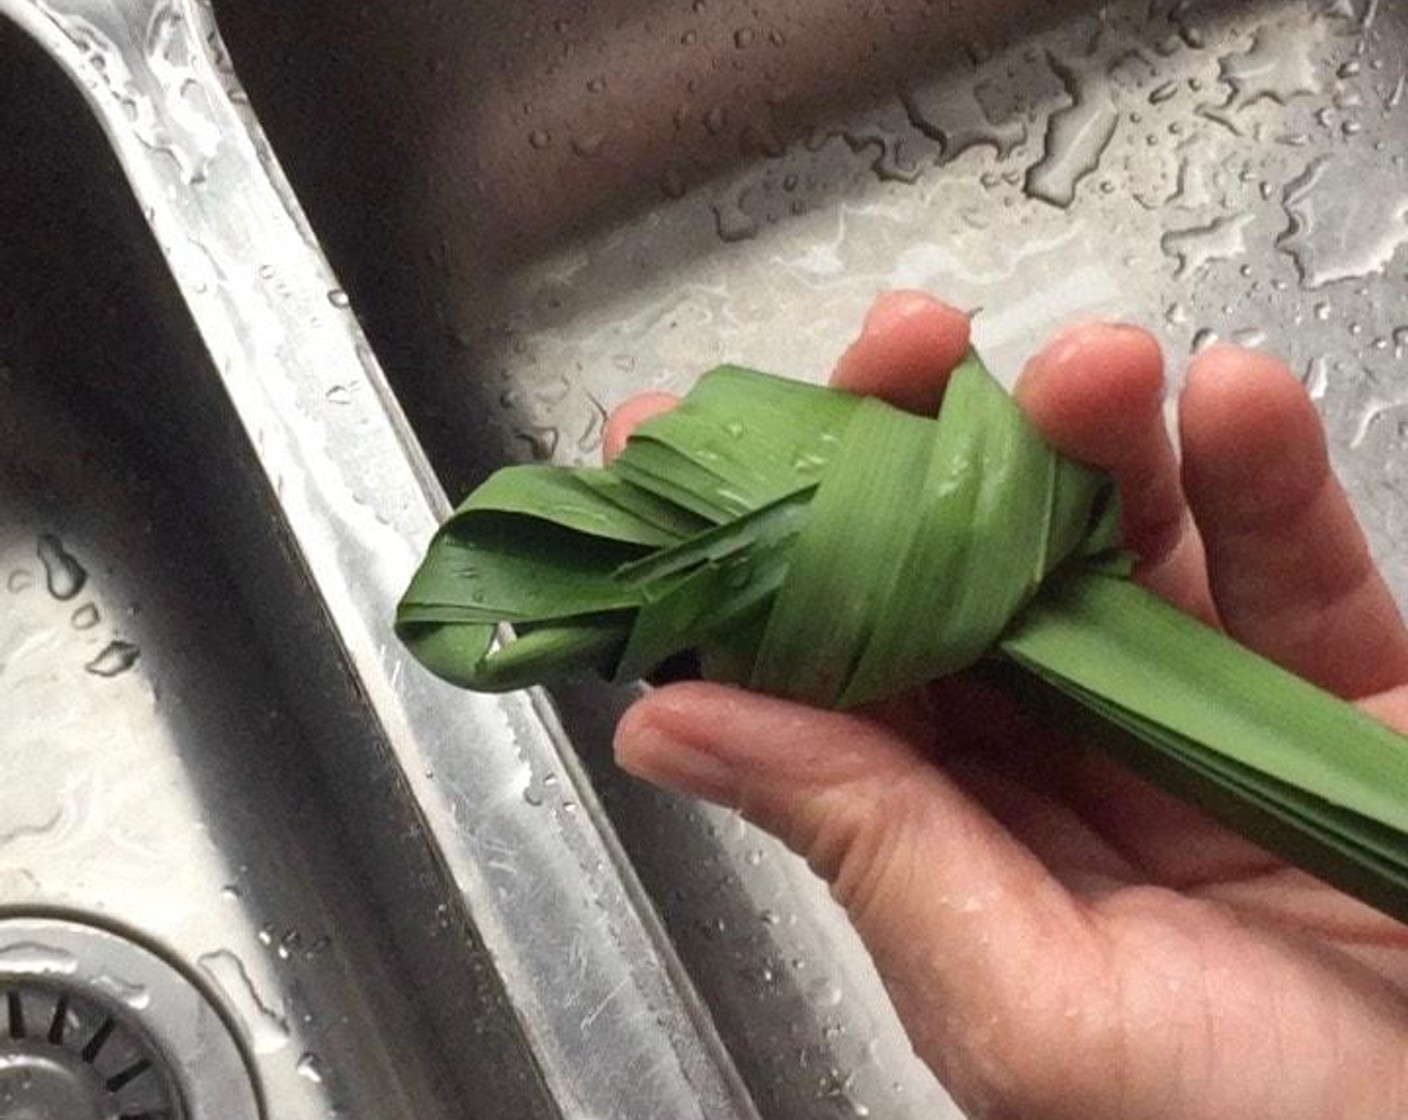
<point x="183" y="759"/>
<point x="540" y="211"/>
<point x="527" y="128"/>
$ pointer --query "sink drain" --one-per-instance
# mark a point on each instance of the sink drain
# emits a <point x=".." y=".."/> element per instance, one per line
<point x="96" y="1027"/>
<point x="62" y="1055"/>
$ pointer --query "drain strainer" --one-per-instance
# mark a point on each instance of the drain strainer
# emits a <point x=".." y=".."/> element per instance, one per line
<point x="64" y="1055"/>
<point x="96" y="1027"/>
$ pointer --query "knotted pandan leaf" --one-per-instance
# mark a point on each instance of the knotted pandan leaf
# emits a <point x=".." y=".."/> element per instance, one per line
<point x="834" y="550"/>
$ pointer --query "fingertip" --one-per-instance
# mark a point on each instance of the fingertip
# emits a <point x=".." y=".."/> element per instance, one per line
<point x="665" y="739"/>
<point x="1097" y="394"/>
<point x="629" y="416"/>
<point x="1226" y="378"/>
<point x="686" y="709"/>
<point x="909" y="344"/>
<point x="1292" y="573"/>
<point x="1090" y="374"/>
<point x="1244" y="413"/>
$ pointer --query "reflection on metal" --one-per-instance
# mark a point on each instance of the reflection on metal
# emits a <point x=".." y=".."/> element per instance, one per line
<point x="1224" y="169"/>
<point x="537" y="209"/>
<point x="541" y="897"/>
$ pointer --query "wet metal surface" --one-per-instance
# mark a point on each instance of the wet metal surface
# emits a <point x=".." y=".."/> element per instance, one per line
<point x="410" y="902"/>
<point x="210" y="740"/>
<point x="540" y="209"/>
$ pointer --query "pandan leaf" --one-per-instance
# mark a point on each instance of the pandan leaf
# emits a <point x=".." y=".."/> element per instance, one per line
<point x="834" y="550"/>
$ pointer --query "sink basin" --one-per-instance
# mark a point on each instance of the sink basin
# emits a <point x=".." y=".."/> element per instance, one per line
<point x="540" y="209"/>
<point x="539" y="212"/>
<point x="162" y="764"/>
<point x="445" y="904"/>
<point x="252" y="864"/>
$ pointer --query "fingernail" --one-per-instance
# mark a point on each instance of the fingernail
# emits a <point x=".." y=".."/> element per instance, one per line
<point x="900" y="303"/>
<point x="649" y="751"/>
<point x="1072" y="339"/>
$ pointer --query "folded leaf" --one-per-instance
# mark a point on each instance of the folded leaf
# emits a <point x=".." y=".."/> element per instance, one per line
<point x="832" y="549"/>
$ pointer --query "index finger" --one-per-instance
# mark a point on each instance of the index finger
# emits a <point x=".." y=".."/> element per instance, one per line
<point x="909" y="344"/>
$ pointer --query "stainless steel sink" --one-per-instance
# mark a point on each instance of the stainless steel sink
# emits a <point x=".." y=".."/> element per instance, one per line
<point x="160" y="759"/>
<point x="533" y="211"/>
<point x="251" y="862"/>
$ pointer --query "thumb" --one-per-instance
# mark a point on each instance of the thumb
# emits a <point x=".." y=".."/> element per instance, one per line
<point x="958" y="915"/>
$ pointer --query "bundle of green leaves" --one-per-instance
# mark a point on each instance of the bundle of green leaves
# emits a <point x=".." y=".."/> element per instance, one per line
<point x="832" y="549"/>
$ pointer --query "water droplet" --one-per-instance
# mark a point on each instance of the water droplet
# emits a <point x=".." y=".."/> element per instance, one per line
<point x="1161" y="93"/>
<point x="85" y="617"/>
<point x="734" y="429"/>
<point x="338" y="394"/>
<point x="732" y="223"/>
<point x="1317" y="378"/>
<point x="888" y="165"/>
<point x="715" y="119"/>
<point x="266" y="1026"/>
<point x="824" y="992"/>
<point x="744" y="37"/>
<point x="595" y="426"/>
<point x="1345" y="221"/>
<point x="754" y="857"/>
<point x="37" y="960"/>
<point x="288" y="944"/>
<point x="588" y="145"/>
<point x="64" y="575"/>
<point x="1395" y="97"/>
<point x="540" y="138"/>
<point x="114" y="660"/>
<point x="963" y="119"/>
<point x="231" y="892"/>
<point x="310" y="1068"/>
<point x="596" y="85"/>
<point x="1278" y="65"/>
<point x="21" y="579"/>
<point x="135" y="996"/>
<point x="672" y="183"/>
<point x="541" y="440"/>
<point x="338" y="298"/>
<point x="1076" y="137"/>
<point x="1196" y="248"/>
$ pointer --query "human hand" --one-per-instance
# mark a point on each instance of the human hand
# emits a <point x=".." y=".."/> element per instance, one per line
<point x="1059" y="938"/>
